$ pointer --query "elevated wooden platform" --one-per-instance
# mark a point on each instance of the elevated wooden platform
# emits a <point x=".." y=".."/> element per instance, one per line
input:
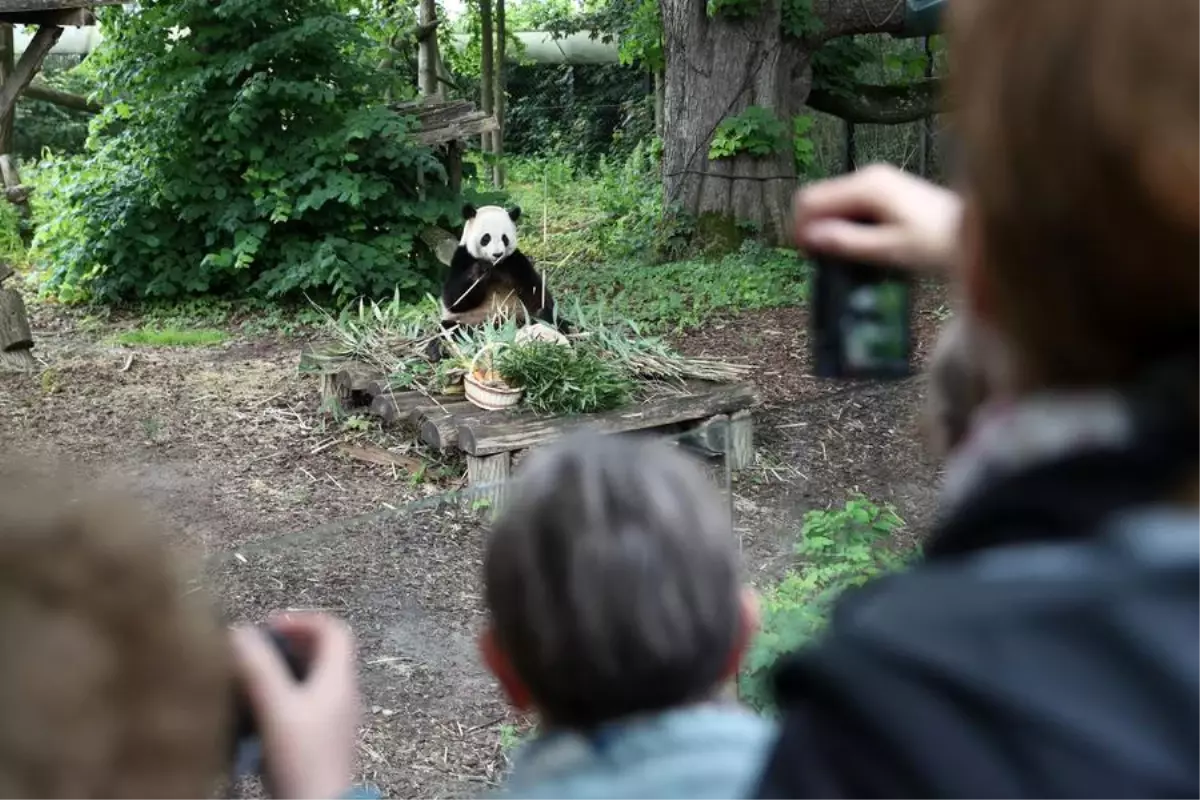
<point x="491" y="439"/>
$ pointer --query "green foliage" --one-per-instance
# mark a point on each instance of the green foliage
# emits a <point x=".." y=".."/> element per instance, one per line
<point x="245" y="155"/>
<point x="755" y="131"/>
<point x="836" y="65"/>
<point x="40" y="125"/>
<point x="734" y="9"/>
<point x="681" y="295"/>
<point x="172" y="337"/>
<point x="804" y="151"/>
<point x="837" y="550"/>
<point x="564" y="380"/>
<point x="641" y="42"/>
<point x="798" y="20"/>
<point x="12" y="247"/>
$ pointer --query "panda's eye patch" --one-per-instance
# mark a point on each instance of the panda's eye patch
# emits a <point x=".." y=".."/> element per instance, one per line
<point x="483" y="240"/>
<point x="504" y="238"/>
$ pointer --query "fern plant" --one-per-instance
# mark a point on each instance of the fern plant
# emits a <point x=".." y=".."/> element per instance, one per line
<point x="837" y="549"/>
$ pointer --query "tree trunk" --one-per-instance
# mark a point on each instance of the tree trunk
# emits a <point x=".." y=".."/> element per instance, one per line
<point x="427" y="50"/>
<point x="486" y="68"/>
<point x="498" y="100"/>
<point x="8" y="62"/>
<point x="660" y="102"/>
<point x="716" y="68"/>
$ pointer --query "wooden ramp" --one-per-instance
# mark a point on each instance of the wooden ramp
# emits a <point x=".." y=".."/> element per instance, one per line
<point x="490" y="439"/>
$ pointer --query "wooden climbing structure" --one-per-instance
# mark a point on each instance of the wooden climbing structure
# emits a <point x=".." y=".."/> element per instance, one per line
<point x="491" y="441"/>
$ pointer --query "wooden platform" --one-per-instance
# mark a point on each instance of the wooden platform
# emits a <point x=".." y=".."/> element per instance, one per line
<point x="719" y="414"/>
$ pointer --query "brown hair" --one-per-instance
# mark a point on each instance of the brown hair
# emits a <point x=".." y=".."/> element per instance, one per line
<point x="612" y="580"/>
<point x="1079" y="121"/>
<point x="114" y="680"/>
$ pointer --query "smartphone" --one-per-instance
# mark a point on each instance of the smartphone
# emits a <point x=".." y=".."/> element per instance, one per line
<point x="247" y="746"/>
<point x="861" y="321"/>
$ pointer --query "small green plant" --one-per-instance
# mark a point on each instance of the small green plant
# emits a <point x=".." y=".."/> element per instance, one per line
<point x="172" y="337"/>
<point x="756" y="132"/>
<point x="837" y="549"/>
<point x="798" y="20"/>
<point x="564" y="380"/>
<point x="734" y="9"/>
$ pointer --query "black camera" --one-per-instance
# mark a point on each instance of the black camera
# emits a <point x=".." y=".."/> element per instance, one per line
<point x="861" y="321"/>
<point x="247" y="756"/>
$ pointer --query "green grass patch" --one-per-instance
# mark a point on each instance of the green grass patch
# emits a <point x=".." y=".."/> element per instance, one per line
<point x="686" y="294"/>
<point x="172" y="337"/>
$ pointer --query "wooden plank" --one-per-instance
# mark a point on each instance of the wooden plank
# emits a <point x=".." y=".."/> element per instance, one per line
<point x="14" y="324"/>
<point x="740" y="452"/>
<point x="494" y="469"/>
<point x="27" y="67"/>
<point x="481" y="437"/>
<point x="18" y="6"/>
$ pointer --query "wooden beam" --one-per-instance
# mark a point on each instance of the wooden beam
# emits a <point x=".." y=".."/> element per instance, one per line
<point x="27" y="67"/>
<point x="486" y="435"/>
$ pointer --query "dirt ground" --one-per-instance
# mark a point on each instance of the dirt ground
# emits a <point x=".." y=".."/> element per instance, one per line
<point x="227" y="445"/>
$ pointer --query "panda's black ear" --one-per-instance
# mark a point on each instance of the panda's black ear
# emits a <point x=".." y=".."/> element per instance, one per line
<point x="514" y="213"/>
<point x="468" y="211"/>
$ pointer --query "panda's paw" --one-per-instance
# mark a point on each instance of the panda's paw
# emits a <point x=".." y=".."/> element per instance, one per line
<point x="433" y="350"/>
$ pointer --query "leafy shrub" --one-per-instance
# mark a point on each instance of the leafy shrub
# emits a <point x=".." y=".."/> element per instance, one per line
<point x="837" y="549"/>
<point x="240" y="152"/>
<point x="564" y="380"/>
<point x="756" y="131"/>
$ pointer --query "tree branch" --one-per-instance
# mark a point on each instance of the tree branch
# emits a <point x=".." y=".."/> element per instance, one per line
<point x="27" y="66"/>
<point x="872" y="104"/>
<point x="40" y="91"/>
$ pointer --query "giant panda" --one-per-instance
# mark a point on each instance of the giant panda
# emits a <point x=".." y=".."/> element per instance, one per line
<point x="490" y="276"/>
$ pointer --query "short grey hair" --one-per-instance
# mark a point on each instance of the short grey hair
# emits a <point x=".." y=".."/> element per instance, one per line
<point x="612" y="579"/>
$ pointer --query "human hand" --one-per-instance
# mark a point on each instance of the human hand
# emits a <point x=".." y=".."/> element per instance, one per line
<point x="912" y="224"/>
<point x="308" y="728"/>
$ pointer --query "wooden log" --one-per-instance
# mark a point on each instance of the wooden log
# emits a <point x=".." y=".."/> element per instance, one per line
<point x="315" y="359"/>
<point x="392" y="407"/>
<point x="6" y="272"/>
<point x="740" y="452"/>
<point x="494" y="470"/>
<point x="31" y="61"/>
<point x="438" y="425"/>
<point x="356" y="377"/>
<point x="8" y="171"/>
<point x="14" y="324"/>
<point x="485" y="436"/>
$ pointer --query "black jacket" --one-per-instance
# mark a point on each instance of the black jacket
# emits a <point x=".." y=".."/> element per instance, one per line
<point x="1048" y="647"/>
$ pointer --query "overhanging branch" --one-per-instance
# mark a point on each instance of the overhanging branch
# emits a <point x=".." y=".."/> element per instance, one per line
<point x="872" y="104"/>
<point x="40" y="91"/>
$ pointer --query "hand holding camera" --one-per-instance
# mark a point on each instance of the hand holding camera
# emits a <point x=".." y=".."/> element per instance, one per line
<point x="301" y="694"/>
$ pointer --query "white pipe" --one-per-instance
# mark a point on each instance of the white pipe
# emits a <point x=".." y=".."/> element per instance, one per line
<point x="540" y="47"/>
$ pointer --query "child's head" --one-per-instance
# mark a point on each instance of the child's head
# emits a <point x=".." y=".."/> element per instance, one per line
<point x="114" y="680"/>
<point x="612" y="582"/>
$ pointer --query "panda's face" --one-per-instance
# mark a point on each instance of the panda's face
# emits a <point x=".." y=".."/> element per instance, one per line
<point x="490" y="232"/>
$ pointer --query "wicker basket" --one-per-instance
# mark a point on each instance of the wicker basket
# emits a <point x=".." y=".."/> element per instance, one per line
<point x="489" y="398"/>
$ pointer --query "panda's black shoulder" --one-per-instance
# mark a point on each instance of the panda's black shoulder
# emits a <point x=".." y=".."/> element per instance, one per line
<point x="518" y="260"/>
<point x="462" y="257"/>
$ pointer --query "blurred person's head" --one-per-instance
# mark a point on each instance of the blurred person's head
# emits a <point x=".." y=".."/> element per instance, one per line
<point x="115" y="680"/>
<point x="1079" y="122"/>
<point x="965" y="370"/>
<point x="612" y="584"/>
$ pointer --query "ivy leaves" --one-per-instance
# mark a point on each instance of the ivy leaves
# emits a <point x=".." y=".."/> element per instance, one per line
<point x="756" y="131"/>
